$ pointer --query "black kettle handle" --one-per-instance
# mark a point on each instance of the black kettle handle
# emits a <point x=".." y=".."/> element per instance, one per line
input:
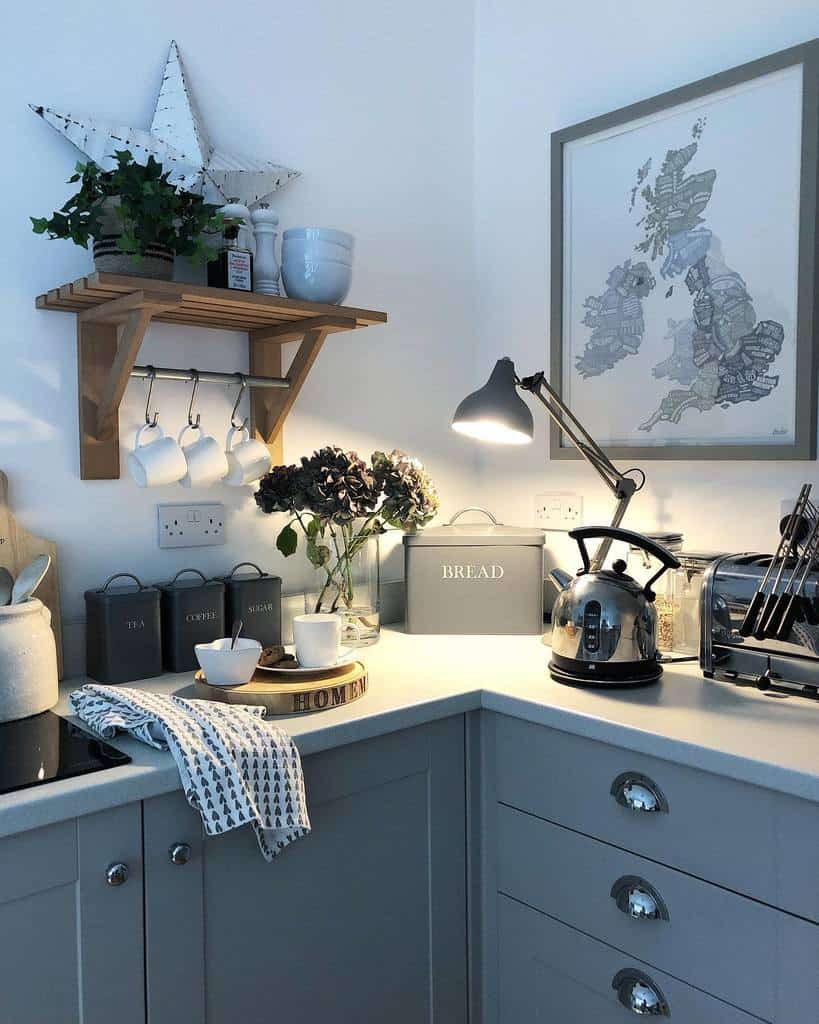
<point x="637" y="540"/>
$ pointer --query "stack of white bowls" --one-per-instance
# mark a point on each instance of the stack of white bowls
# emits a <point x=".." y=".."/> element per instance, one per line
<point x="317" y="264"/>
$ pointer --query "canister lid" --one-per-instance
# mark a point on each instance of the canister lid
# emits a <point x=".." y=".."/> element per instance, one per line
<point x="669" y="539"/>
<point x="476" y="535"/>
<point x="135" y="590"/>
<point x="190" y="584"/>
<point x="253" y="573"/>
<point x="699" y="559"/>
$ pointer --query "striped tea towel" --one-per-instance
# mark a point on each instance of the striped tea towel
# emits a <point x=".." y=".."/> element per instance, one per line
<point x="235" y="767"/>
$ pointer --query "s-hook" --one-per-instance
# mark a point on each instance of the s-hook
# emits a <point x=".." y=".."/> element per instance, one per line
<point x="243" y="385"/>
<point x="151" y="374"/>
<point x="191" y="423"/>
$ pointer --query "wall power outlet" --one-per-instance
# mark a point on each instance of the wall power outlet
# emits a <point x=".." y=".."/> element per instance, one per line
<point x="191" y="526"/>
<point x="557" y="510"/>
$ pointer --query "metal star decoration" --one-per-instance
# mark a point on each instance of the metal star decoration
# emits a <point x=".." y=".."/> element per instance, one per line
<point x="177" y="139"/>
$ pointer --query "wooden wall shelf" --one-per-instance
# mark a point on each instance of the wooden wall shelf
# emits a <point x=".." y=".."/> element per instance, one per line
<point x="114" y="312"/>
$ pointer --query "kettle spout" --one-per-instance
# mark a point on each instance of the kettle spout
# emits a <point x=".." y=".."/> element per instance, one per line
<point x="560" y="578"/>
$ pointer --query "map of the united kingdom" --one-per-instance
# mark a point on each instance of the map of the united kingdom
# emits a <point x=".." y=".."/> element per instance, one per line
<point x="720" y="355"/>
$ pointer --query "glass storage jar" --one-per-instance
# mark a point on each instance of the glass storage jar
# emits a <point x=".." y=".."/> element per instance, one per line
<point x="686" y="583"/>
<point x="642" y="566"/>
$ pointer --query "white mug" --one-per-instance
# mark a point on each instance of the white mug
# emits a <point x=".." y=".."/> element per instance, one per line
<point x="206" y="461"/>
<point x="157" y="463"/>
<point x="248" y="461"/>
<point x="318" y="640"/>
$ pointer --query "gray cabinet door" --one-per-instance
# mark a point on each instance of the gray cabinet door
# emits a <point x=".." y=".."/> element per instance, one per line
<point x="364" y="920"/>
<point x="72" y="948"/>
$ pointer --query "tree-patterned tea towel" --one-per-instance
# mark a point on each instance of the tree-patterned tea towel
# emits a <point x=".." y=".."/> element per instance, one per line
<point x="235" y="767"/>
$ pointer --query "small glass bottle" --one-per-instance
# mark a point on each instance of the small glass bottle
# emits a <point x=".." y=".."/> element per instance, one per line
<point x="233" y="266"/>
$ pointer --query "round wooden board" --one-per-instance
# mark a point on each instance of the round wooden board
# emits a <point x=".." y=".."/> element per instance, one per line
<point x="281" y="696"/>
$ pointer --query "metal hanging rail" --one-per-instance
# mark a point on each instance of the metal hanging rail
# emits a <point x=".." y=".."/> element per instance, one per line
<point x="207" y="377"/>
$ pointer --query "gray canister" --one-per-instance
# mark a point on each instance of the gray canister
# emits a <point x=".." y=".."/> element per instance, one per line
<point x="122" y="629"/>
<point x="193" y="612"/>
<point x="474" y="578"/>
<point x="256" y="599"/>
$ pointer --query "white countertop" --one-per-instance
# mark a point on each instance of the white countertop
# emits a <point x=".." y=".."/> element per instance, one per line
<point x="715" y="726"/>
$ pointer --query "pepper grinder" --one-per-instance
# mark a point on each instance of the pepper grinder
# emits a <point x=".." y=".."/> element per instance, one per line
<point x="265" y="268"/>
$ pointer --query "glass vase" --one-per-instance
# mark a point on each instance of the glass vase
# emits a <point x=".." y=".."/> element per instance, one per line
<point x="350" y="587"/>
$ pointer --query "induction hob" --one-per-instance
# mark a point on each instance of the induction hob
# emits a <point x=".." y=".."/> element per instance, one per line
<point x="46" y="747"/>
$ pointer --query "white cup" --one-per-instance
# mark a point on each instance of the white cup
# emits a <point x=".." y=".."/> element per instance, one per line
<point x="206" y="461"/>
<point x="157" y="463"/>
<point x="318" y="640"/>
<point x="248" y="461"/>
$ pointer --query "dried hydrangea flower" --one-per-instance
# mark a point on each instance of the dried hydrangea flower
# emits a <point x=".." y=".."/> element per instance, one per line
<point x="410" y="500"/>
<point x="282" y="490"/>
<point x="340" y="487"/>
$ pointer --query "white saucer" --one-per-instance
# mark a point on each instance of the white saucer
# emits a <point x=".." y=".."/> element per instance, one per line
<point x="344" y="659"/>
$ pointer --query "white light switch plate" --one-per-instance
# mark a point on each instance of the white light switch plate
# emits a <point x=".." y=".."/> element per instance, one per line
<point x="558" y="510"/>
<point x="191" y="526"/>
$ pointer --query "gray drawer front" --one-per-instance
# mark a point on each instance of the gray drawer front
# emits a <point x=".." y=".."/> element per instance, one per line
<point x="751" y="840"/>
<point x="552" y="974"/>
<point x="727" y="945"/>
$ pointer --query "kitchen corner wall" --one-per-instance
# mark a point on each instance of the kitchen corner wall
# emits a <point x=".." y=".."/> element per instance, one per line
<point x="372" y="101"/>
<point x="423" y="129"/>
<point x="543" y="66"/>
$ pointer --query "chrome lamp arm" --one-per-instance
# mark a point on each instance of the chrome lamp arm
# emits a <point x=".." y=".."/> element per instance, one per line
<point x="621" y="486"/>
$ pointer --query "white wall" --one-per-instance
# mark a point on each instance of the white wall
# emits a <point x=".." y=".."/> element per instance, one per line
<point x="543" y="66"/>
<point x="376" y="101"/>
<point x="372" y="100"/>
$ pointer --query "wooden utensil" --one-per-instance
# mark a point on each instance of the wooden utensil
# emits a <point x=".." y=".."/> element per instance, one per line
<point x="6" y="586"/>
<point x="31" y="576"/>
<point x="17" y="548"/>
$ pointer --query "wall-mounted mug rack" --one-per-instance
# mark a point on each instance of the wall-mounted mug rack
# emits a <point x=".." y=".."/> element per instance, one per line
<point x="115" y="311"/>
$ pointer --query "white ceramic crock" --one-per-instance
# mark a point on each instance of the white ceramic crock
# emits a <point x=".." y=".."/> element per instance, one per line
<point x="28" y="660"/>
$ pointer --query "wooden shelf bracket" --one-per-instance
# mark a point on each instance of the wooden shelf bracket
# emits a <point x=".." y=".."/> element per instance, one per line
<point x="109" y="337"/>
<point x="269" y="409"/>
<point x="114" y="313"/>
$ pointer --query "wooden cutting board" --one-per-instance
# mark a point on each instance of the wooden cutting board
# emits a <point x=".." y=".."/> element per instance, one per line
<point x="17" y="548"/>
<point x="318" y="691"/>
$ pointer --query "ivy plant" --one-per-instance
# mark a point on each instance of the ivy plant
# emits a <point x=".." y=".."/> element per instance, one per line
<point x="151" y="211"/>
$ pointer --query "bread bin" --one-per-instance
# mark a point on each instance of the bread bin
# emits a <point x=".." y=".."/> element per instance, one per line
<point x="28" y="660"/>
<point x="474" y="578"/>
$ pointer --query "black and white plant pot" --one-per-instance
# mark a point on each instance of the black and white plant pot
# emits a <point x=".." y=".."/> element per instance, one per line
<point x="157" y="262"/>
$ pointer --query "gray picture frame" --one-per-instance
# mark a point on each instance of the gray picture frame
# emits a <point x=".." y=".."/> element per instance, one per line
<point x="807" y="319"/>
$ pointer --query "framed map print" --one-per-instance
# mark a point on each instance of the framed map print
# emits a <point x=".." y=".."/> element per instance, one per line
<point x="684" y="268"/>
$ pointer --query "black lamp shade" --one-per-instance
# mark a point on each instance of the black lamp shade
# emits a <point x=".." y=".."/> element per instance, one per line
<point x="496" y="412"/>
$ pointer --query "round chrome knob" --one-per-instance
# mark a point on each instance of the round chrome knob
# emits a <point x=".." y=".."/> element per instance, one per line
<point x="116" y="874"/>
<point x="638" y="793"/>
<point x="179" y="853"/>
<point x="638" y="993"/>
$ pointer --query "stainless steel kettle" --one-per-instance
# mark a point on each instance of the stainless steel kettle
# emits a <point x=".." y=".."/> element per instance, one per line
<point x="604" y="624"/>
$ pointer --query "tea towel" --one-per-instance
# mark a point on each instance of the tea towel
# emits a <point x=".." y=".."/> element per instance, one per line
<point x="235" y="767"/>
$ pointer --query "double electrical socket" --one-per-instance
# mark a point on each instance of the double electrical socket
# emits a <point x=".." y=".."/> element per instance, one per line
<point x="191" y="526"/>
<point x="557" y="510"/>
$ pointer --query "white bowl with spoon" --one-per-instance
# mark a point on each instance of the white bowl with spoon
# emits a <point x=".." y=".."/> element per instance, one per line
<point x="224" y="665"/>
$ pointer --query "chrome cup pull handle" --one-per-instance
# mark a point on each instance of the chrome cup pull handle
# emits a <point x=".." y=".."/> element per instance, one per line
<point x="639" y="899"/>
<point x="638" y="793"/>
<point x="638" y="993"/>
